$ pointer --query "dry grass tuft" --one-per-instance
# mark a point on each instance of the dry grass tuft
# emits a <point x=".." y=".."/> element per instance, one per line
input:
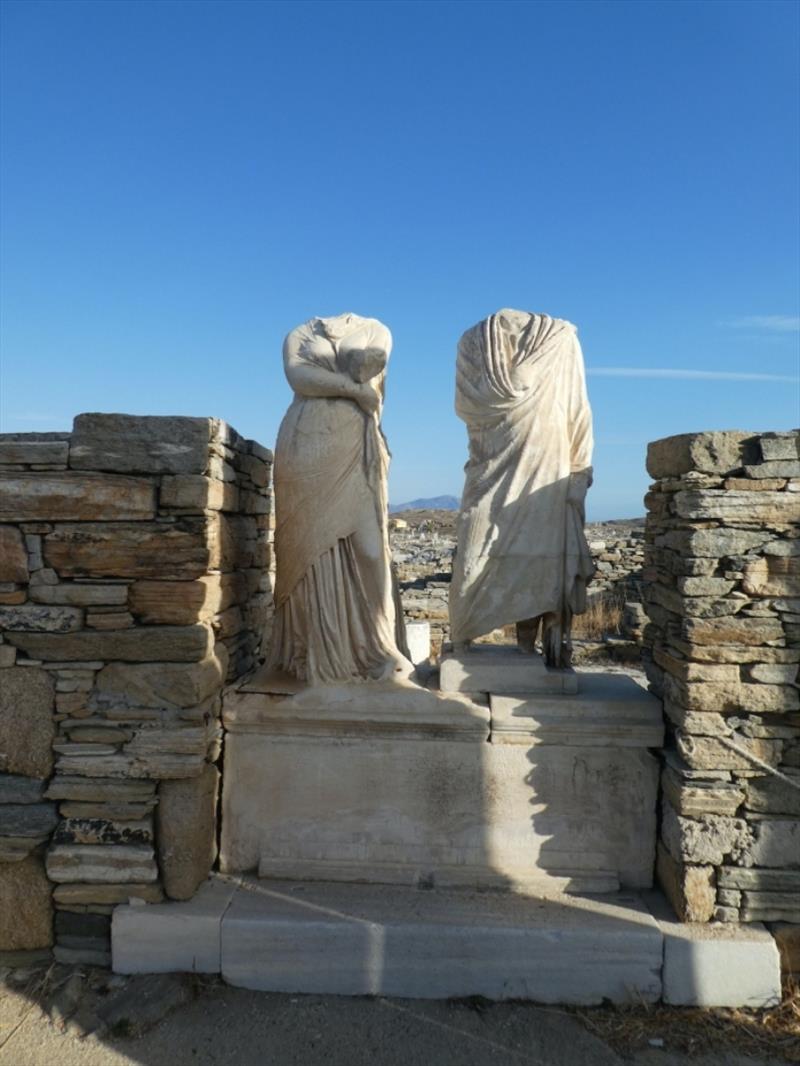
<point x="603" y="617"/>
<point x="774" y="1032"/>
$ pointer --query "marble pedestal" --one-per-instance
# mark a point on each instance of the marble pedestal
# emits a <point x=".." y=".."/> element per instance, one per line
<point x="502" y="669"/>
<point x="395" y="784"/>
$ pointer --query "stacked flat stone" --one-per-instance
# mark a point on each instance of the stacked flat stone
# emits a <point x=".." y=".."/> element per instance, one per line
<point x="134" y="581"/>
<point x="722" y="648"/>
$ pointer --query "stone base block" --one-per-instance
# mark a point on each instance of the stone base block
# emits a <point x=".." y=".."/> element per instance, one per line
<point x="501" y="669"/>
<point x="398" y="785"/>
<point x="172" y="937"/>
<point x="716" y="964"/>
<point x="370" y="940"/>
<point x="26" y="906"/>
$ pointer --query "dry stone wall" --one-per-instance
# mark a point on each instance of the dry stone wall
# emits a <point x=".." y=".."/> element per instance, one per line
<point x="423" y="549"/>
<point x="722" y="648"/>
<point x="134" y="582"/>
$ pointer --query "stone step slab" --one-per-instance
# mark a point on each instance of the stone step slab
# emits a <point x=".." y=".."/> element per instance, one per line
<point x="717" y="964"/>
<point x="173" y="937"/>
<point x="366" y="939"/>
<point x="373" y="940"/>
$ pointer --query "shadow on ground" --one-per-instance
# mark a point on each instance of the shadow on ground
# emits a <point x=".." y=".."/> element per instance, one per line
<point x="83" y="1017"/>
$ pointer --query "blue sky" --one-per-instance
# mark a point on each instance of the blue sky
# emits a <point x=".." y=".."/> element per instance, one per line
<point x="184" y="182"/>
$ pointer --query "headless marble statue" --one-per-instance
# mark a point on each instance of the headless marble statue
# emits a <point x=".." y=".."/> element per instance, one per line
<point x="522" y="555"/>
<point x="337" y="616"/>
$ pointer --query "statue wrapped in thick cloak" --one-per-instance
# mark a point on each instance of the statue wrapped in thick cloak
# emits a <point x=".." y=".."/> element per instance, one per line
<point x="522" y="556"/>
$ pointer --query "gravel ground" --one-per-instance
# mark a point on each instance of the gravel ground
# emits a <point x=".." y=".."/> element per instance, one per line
<point x="214" y="1025"/>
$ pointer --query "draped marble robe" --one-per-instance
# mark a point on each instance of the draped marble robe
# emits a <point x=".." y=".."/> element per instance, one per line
<point x="336" y="616"/>
<point x="522" y="556"/>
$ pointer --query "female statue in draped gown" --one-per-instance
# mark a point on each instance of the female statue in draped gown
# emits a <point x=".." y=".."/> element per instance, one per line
<point x="337" y="614"/>
<point x="522" y="555"/>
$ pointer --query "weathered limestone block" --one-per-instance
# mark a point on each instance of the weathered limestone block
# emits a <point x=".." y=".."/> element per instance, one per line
<point x="773" y="575"/>
<point x="80" y="595"/>
<point x="780" y="446"/>
<point x="712" y="453"/>
<point x="776" y="842"/>
<point x="13" y="556"/>
<point x="75" y="895"/>
<point x="774" y="795"/>
<point x="38" y="452"/>
<point x="162" y="684"/>
<point x="26" y="909"/>
<point x="141" y="644"/>
<point x="691" y="799"/>
<point x="698" y="723"/>
<point x="717" y="543"/>
<point x="186" y="820"/>
<point x="780" y="468"/>
<point x="686" y="670"/>
<point x="149" y="444"/>
<point x="707" y="839"/>
<point x="105" y="619"/>
<point x="104" y="864"/>
<point x="744" y="877"/>
<point x="775" y="673"/>
<point x="193" y="492"/>
<point x="737" y="507"/>
<point x="715" y="754"/>
<point x="753" y="699"/>
<point x="751" y="484"/>
<point x="690" y="889"/>
<point x="29" y="497"/>
<point x="40" y="618"/>
<point x="166" y="550"/>
<point x="26" y="722"/>
<point x="12" y="595"/>
<point x="14" y="788"/>
<point x="228" y="623"/>
<point x="186" y="602"/>
<point x="184" y="740"/>
<point x="735" y="653"/>
<point x="704" y="586"/>
<point x="99" y="790"/>
<point x="35" y="820"/>
<point x="748" y="631"/>
<point x="152" y="765"/>
<point x="104" y="831"/>
<point x="114" y="812"/>
<point x="95" y="731"/>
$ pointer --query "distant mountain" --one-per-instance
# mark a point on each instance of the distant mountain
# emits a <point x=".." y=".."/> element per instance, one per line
<point x="434" y="503"/>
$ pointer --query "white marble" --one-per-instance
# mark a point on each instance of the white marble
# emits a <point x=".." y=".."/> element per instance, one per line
<point x="418" y="639"/>
<point x="611" y="710"/>
<point x="717" y="964"/>
<point x="336" y="616"/>
<point x="522" y="556"/>
<point x="496" y="668"/>
<point x="374" y="940"/>
<point x="396" y="784"/>
<point x="172" y="937"/>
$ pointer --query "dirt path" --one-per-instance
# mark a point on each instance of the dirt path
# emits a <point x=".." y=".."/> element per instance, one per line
<point x="215" y="1025"/>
